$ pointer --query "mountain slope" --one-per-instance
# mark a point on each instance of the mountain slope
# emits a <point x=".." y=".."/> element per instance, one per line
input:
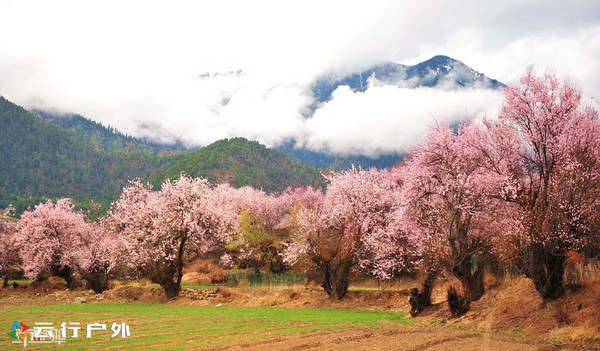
<point x="439" y="71"/>
<point x="41" y="160"/>
<point x="337" y="162"/>
<point x="105" y="138"/>
<point x="239" y="161"/>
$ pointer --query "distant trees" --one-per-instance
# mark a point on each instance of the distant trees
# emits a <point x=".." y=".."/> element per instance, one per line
<point x="266" y="225"/>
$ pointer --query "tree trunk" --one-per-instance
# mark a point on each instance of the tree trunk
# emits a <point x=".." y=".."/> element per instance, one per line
<point x="5" y="284"/>
<point x="470" y="279"/>
<point x="97" y="281"/>
<point x="419" y="301"/>
<point x="66" y="273"/>
<point x="336" y="278"/>
<point x="168" y="277"/>
<point x="546" y="270"/>
<point x="457" y="304"/>
<point x="170" y="287"/>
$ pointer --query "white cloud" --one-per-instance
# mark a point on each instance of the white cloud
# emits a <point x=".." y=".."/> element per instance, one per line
<point x="135" y="64"/>
<point x="386" y="119"/>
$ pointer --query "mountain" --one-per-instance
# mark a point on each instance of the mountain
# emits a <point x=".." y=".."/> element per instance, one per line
<point x="106" y="138"/>
<point x="239" y="162"/>
<point x="42" y="160"/>
<point x="439" y="72"/>
<point x="337" y="162"/>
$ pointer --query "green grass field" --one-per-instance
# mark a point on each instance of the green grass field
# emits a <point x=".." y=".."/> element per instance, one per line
<point x="165" y="327"/>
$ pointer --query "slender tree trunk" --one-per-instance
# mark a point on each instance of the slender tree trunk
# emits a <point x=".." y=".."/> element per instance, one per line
<point x="5" y="284"/>
<point x="546" y="270"/>
<point x="171" y="287"/>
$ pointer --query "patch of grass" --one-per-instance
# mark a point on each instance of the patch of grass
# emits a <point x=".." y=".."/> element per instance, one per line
<point x="185" y="327"/>
<point x="20" y="281"/>
<point x="199" y="286"/>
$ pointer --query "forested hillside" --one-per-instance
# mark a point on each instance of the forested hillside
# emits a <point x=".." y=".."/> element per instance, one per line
<point x="239" y="161"/>
<point x="42" y="160"/>
<point x="106" y="138"/>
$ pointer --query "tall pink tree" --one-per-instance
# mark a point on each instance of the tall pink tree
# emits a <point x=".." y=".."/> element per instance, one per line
<point x="333" y="234"/>
<point x="96" y="255"/>
<point x="161" y="227"/>
<point x="45" y="237"/>
<point x="446" y="203"/>
<point x="544" y="151"/>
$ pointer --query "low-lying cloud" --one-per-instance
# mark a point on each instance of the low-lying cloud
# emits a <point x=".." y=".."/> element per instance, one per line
<point x="201" y="71"/>
<point x="387" y="118"/>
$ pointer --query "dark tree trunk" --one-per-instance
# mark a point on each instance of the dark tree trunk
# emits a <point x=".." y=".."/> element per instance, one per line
<point x="66" y="273"/>
<point x="335" y="278"/>
<point x="546" y="270"/>
<point x="470" y="279"/>
<point x="97" y="281"/>
<point x="457" y="304"/>
<point x="167" y="277"/>
<point x="5" y="284"/>
<point x="173" y="271"/>
<point x="419" y="301"/>
<point x="170" y="287"/>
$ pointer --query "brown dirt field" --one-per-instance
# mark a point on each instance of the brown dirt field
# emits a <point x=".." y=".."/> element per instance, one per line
<point x="510" y="316"/>
<point x="400" y="338"/>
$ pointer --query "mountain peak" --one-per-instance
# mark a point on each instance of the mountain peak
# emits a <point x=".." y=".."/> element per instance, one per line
<point x="438" y="60"/>
<point x="440" y="71"/>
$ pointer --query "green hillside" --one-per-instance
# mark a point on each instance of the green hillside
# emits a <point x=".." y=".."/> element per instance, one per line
<point x="106" y="138"/>
<point x="42" y="160"/>
<point x="239" y="161"/>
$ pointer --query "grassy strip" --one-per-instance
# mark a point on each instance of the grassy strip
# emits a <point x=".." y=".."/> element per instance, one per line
<point x="175" y="327"/>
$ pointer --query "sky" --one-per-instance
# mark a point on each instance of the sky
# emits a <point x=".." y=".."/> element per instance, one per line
<point x="200" y="71"/>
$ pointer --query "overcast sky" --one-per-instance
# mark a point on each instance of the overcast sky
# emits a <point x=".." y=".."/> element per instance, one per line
<point x="202" y="71"/>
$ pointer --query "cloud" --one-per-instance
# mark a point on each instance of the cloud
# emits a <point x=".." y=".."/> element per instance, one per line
<point x="387" y="119"/>
<point x="201" y="71"/>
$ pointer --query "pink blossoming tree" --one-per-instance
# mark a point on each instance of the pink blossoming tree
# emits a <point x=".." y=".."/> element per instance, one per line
<point x="55" y="239"/>
<point x="161" y="227"/>
<point x="97" y="255"/>
<point x="45" y="238"/>
<point x="446" y="199"/>
<point x="10" y="261"/>
<point x="337" y="234"/>
<point x="544" y="151"/>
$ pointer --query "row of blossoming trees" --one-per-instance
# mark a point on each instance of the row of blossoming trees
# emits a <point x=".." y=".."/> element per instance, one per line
<point x="518" y="192"/>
